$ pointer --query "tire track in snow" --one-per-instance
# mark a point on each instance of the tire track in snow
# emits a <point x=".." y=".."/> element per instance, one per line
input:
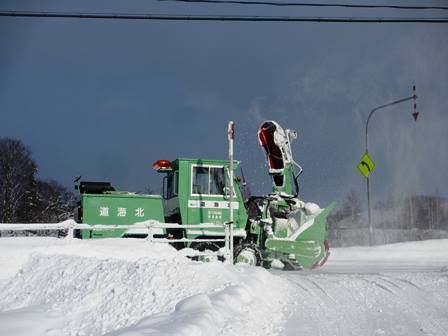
<point x="407" y="282"/>
<point x="307" y="295"/>
<point x="369" y="304"/>
<point x="341" y="314"/>
<point x="375" y="283"/>
<point x="429" y="323"/>
<point x="315" y="284"/>
<point x="393" y="284"/>
<point x="409" y="304"/>
<point x="331" y="321"/>
<point x="303" y="287"/>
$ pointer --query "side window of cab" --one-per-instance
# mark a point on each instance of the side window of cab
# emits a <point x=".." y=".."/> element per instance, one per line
<point x="208" y="180"/>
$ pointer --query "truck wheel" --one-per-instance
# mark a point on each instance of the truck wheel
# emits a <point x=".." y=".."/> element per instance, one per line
<point x="204" y="246"/>
<point x="248" y="253"/>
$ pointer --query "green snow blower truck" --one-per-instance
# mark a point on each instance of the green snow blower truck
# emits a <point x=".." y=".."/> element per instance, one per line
<point x="277" y="229"/>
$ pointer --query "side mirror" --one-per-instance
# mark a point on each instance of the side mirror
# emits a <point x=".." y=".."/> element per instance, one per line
<point x="226" y="192"/>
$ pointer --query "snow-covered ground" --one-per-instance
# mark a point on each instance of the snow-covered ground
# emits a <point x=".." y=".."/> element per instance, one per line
<point x="128" y="287"/>
<point x="398" y="289"/>
<point x="58" y="287"/>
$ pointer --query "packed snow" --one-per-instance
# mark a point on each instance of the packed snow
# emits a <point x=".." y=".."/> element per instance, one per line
<point x="130" y="287"/>
<point x="397" y="289"/>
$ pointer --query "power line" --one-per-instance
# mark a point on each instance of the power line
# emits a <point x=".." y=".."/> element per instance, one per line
<point x="234" y="18"/>
<point x="307" y="4"/>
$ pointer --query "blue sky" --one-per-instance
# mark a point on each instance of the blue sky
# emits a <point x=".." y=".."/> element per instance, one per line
<point x="105" y="99"/>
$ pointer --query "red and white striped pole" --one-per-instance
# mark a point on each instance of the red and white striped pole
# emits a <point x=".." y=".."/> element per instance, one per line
<point x="231" y="137"/>
<point x="414" y="112"/>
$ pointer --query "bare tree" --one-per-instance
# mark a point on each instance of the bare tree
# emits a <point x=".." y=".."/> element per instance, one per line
<point x="55" y="202"/>
<point x="17" y="181"/>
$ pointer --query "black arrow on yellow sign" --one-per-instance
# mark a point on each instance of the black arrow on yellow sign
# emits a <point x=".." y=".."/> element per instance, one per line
<point x="366" y="165"/>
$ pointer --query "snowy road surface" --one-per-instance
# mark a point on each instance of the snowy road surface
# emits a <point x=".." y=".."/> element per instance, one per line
<point x="126" y="287"/>
<point x="400" y="289"/>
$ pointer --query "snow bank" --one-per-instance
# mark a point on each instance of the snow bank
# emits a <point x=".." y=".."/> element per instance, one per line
<point x="243" y="305"/>
<point x="14" y="252"/>
<point x="128" y="287"/>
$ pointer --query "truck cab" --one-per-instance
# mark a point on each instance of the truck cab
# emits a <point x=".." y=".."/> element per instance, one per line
<point x="197" y="191"/>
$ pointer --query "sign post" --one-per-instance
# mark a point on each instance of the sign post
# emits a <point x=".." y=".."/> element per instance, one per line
<point x="366" y="165"/>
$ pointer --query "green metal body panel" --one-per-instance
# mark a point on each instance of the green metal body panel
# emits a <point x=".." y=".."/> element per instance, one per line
<point x="306" y="253"/>
<point x="308" y="248"/>
<point x="118" y="208"/>
<point x="317" y="231"/>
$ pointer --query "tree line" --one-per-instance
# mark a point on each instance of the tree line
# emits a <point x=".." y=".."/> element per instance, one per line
<point x="24" y="198"/>
<point x="424" y="212"/>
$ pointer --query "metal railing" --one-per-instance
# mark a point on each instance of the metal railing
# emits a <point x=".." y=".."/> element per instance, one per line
<point x="149" y="227"/>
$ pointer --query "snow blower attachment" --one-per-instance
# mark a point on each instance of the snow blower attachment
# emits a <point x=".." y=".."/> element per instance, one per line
<point x="277" y="229"/>
<point x="293" y="231"/>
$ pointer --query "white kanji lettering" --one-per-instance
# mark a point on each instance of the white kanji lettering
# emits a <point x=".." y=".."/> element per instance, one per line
<point x="104" y="211"/>
<point x="139" y="212"/>
<point x="121" y="212"/>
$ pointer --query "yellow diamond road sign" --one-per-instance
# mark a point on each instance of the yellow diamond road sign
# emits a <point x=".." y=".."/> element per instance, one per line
<point x="366" y="165"/>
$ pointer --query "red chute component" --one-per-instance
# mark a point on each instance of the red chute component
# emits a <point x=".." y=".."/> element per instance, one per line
<point x="415" y="113"/>
<point x="273" y="152"/>
<point x="162" y="165"/>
